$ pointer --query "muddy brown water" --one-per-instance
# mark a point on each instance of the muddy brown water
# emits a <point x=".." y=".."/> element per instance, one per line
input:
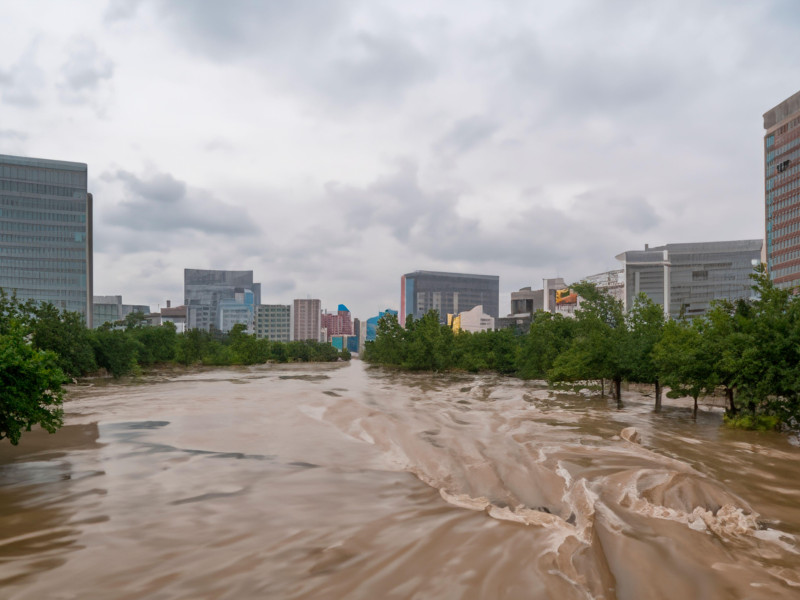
<point x="345" y="481"/>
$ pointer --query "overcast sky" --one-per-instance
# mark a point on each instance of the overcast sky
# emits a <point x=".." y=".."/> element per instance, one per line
<point x="333" y="145"/>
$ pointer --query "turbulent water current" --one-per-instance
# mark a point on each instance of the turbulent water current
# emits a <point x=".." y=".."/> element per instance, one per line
<point x="345" y="481"/>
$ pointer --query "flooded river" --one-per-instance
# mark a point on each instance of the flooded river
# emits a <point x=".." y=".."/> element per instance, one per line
<point x="345" y="481"/>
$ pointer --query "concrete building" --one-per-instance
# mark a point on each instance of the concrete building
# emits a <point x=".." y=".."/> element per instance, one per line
<point x="306" y="323"/>
<point x="612" y="282"/>
<point x="550" y="291"/>
<point x="473" y="320"/>
<point x="447" y="293"/>
<point x="204" y="289"/>
<point x="175" y="315"/>
<point x="686" y="278"/>
<point x="274" y="322"/>
<point x="526" y="301"/>
<point x="782" y="192"/>
<point x="338" y="323"/>
<point x="46" y="232"/>
<point x="110" y="309"/>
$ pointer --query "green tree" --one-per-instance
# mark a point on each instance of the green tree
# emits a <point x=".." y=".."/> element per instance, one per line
<point x="549" y="336"/>
<point x="389" y="346"/>
<point x="682" y="362"/>
<point x="429" y="344"/>
<point x="66" y="335"/>
<point x="645" y="323"/>
<point x="769" y="375"/>
<point x="116" y="351"/>
<point x="30" y="381"/>
<point x="598" y="346"/>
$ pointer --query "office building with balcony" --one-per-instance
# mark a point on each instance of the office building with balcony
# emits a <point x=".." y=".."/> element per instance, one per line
<point x="686" y="278"/>
<point x="46" y="232"/>
<point x="782" y="192"/>
<point x="447" y="293"/>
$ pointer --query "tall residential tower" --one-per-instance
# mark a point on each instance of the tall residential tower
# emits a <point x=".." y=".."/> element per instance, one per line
<point x="782" y="191"/>
<point x="46" y="232"/>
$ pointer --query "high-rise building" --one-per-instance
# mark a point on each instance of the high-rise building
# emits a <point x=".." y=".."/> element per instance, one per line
<point x="447" y="293"/>
<point x="782" y="192"/>
<point x="274" y="322"/>
<point x="46" y="232"/>
<point x="306" y="318"/>
<point x="685" y="278"/>
<point x="338" y="323"/>
<point x="205" y="289"/>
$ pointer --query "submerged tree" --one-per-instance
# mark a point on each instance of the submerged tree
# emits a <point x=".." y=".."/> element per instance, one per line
<point x="597" y="349"/>
<point x="30" y="386"/>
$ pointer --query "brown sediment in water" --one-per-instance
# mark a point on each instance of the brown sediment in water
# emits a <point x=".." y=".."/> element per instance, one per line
<point x="344" y="481"/>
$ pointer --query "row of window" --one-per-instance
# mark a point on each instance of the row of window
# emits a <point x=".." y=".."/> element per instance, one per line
<point x="788" y="243"/>
<point x="35" y="285"/>
<point x="73" y="266"/>
<point x="784" y="188"/>
<point x="781" y="150"/>
<point x="44" y="175"/>
<point x="48" y="204"/>
<point x="785" y="216"/>
<point x="778" y="182"/>
<point x="783" y="202"/>
<point x="785" y="271"/>
<point x="43" y="252"/>
<point x="23" y="187"/>
<point x="787" y="257"/>
<point x="41" y="239"/>
<point x="8" y="226"/>
<point x="785" y="230"/>
<point x="35" y="215"/>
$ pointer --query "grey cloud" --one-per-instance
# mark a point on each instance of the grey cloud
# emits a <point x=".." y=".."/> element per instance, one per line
<point x="309" y="45"/>
<point x="84" y="71"/>
<point x="12" y="134"/>
<point x="465" y="134"/>
<point x="635" y="214"/>
<point x="119" y="10"/>
<point x="278" y="286"/>
<point x="429" y="222"/>
<point x="160" y="187"/>
<point x="161" y="203"/>
<point x="382" y="68"/>
<point x="23" y="82"/>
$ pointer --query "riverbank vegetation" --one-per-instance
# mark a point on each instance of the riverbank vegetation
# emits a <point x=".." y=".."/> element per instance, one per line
<point x="42" y="348"/>
<point x="749" y="350"/>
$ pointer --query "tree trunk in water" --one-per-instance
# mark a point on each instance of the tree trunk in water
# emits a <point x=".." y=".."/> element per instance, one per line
<point x="694" y="412"/>
<point x="731" y="405"/>
<point x="618" y="392"/>
<point x="658" y="396"/>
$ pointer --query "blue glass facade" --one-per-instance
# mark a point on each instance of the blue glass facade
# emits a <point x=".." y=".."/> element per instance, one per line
<point x="46" y="232"/>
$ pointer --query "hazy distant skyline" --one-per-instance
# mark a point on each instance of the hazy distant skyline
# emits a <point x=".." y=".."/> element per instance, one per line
<point x="333" y="145"/>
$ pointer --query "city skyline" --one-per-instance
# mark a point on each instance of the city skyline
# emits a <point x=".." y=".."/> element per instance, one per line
<point x="337" y="145"/>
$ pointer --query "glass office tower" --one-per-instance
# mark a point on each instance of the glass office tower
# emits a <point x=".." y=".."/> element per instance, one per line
<point x="686" y="278"/>
<point x="447" y="293"/>
<point x="204" y="289"/>
<point x="46" y="232"/>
